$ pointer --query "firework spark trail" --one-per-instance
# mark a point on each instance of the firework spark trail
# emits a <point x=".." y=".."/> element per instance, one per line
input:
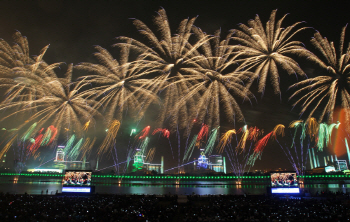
<point x="312" y="127"/>
<point x="259" y="147"/>
<point x="215" y="86"/>
<point x="244" y="138"/>
<point x="261" y="144"/>
<point x="330" y="130"/>
<point x="190" y="148"/>
<point x="75" y="151"/>
<point x="239" y="159"/>
<point x="143" y="146"/>
<point x="171" y="148"/>
<point x="132" y="131"/>
<point x="296" y="154"/>
<point x="7" y="146"/>
<point x="278" y="130"/>
<point x="297" y="162"/>
<point x="170" y="58"/>
<point x="211" y="141"/>
<point x="144" y="133"/>
<point x="224" y="140"/>
<point x="110" y="137"/>
<point x="178" y="147"/>
<point x="150" y="155"/>
<point x="254" y="133"/>
<point x="29" y="132"/>
<point x="247" y="156"/>
<point x="119" y="84"/>
<point x="322" y="136"/>
<point x="24" y="78"/>
<point x="35" y="146"/>
<point x="295" y="124"/>
<point x="164" y="132"/>
<point x="303" y="132"/>
<point x="86" y="125"/>
<point x="115" y="157"/>
<point x="87" y="147"/>
<point x="47" y="137"/>
<point x="325" y="134"/>
<point x="203" y="133"/>
<point x="266" y="50"/>
<point x="69" y="144"/>
<point x="54" y="134"/>
<point x="130" y="150"/>
<point x="329" y="90"/>
<point x="128" y="159"/>
<point x="37" y="155"/>
<point x="289" y="156"/>
<point x="63" y="105"/>
<point x="229" y="157"/>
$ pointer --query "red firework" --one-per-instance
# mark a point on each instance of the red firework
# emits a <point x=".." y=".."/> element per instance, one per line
<point x="34" y="146"/>
<point x="164" y="132"/>
<point x="203" y="132"/>
<point x="260" y="145"/>
<point x="54" y="133"/>
<point x="144" y="133"/>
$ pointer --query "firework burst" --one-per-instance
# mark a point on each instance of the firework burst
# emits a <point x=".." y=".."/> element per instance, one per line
<point x="24" y="78"/>
<point x="214" y="84"/>
<point x="64" y="107"/>
<point x="109" y="140"/>
<point x="225" y="139"/>
<point x="170" y="57"/>
<point x="118" y="84"/>
<point x="264" y="50"/>
<point x="327" y="91"/>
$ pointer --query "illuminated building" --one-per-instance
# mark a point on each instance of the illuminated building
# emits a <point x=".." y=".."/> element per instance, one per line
<point x="61" y="161"/>
<point x="139" y="163"/>
<point x="216" y="163"/>
<point x="202" y="160"/>
<point x="60" y="153"/>
<point x="341" y="165"/>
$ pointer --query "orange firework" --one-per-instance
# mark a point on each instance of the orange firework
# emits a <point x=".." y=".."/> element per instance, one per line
<point x="225" y="139"/>
<point x="110" y="138"/>
<point x="254" y="133"/>
<point x="278" y="130"/>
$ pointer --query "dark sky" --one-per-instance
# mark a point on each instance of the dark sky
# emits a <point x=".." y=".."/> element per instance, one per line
<point x="72" y="28"/>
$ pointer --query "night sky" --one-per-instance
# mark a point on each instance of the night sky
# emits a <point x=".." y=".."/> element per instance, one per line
<point x="72" y="28"/>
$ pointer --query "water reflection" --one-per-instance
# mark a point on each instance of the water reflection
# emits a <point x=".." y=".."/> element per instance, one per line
<point x="38" y="186"/>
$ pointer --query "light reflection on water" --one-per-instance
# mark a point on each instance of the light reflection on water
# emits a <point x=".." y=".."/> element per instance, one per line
<point x="155" y="187"/>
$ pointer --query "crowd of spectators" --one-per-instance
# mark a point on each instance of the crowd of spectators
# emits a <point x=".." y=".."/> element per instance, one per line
<point x="77" y="178"/>
<point x="15" y="207"/>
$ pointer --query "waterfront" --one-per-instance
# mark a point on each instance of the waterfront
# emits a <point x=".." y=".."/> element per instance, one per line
<point x="38" y="185"/>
